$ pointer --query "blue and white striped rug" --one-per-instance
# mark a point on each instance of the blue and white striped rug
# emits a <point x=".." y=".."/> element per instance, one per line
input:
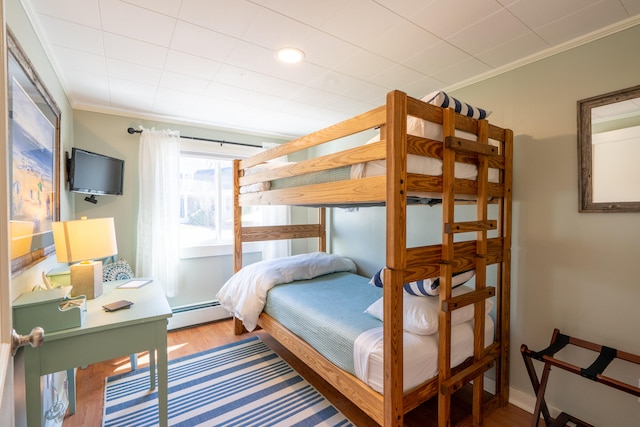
<point x="240" y="384"/>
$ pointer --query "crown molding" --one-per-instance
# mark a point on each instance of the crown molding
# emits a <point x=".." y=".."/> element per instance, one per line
<point x="568" y="45"/>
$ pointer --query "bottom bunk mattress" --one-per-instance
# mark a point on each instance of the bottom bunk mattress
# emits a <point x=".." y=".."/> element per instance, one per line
<point x="328" y="312"/>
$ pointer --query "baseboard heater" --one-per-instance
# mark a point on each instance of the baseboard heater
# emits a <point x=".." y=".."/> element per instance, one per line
<point x="196" y="314"/>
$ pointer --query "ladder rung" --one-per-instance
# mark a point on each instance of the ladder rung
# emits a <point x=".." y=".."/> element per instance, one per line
<point x="468" y="298"/>
<point x="466" y="145"/>
<point x="453" y="384"/>
<point x="469" y="226"/>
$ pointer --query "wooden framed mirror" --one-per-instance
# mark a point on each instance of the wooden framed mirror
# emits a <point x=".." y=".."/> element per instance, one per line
<point x="608" y="152"/>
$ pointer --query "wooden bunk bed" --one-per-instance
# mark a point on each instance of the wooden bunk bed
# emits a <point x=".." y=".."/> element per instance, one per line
<point x="491" y="245"/>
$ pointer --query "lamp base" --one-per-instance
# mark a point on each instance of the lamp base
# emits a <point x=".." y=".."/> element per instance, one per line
<point x="86" y="279"/>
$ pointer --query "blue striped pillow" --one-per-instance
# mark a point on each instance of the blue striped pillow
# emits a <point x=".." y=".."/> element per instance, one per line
<point x="426" y="287"/>
<point x="441" y="99"/>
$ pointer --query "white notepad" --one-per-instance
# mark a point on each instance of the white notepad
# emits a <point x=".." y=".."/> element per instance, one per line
<point x="134" y="284"/>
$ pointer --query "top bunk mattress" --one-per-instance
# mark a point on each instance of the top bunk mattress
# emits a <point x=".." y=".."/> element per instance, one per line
<point x="416" y="164"/>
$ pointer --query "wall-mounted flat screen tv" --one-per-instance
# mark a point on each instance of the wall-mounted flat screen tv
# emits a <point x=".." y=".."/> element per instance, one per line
<point x="92" y="173"/>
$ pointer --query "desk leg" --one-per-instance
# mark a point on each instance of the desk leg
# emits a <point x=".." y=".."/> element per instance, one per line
<point x="152" y="369"/>
<point x="163" y="376"/>
<point x="32" y="385"/>
<point x="133" y="359"/>
<point x="71" y="390"/>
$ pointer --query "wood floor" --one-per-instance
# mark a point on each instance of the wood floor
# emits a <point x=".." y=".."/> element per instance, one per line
<point x="90" y="382"/>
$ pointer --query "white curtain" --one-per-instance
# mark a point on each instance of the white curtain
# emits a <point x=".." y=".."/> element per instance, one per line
<point x="275" y="215"/>
<point x="158" y="250"/>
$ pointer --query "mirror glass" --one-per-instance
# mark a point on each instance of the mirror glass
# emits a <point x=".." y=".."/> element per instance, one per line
<point x="609" y="145"/>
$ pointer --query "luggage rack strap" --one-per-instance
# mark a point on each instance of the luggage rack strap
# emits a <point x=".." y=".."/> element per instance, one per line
<point x="607" y="354"/>
<point x="558" y="344"/>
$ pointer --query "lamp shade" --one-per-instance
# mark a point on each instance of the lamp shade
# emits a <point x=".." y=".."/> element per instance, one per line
<point x="84" y="239"/>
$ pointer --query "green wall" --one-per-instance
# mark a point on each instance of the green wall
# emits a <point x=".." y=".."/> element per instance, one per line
<point x="577" y="272"/>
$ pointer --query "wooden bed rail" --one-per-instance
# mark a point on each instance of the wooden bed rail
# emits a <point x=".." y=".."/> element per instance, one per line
<point x="281" y="232"/>
<point x="359" y="123"/>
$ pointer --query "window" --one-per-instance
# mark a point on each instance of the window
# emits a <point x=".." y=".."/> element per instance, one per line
<point x="206" y="198"/>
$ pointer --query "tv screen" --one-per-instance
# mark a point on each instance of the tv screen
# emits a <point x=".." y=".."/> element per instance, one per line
<point x="93" y="173"/>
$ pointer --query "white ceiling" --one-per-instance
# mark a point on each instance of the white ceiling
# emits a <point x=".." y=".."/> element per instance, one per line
<point x="212" y="62"/>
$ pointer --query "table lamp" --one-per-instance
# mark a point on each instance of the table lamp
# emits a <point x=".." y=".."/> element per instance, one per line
<point x="82" y="241"/>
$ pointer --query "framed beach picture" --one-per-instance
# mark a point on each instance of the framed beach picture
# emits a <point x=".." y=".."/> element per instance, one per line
<point x="34" y="170"/>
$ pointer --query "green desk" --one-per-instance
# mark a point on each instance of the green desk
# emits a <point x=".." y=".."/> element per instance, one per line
<point x="104" y="336"/>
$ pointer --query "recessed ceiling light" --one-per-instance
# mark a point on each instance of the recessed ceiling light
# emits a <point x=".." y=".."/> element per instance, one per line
<point x="290" y="55"/>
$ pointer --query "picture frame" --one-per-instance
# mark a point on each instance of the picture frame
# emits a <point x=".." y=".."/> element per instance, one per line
<point x="34" y="161"/>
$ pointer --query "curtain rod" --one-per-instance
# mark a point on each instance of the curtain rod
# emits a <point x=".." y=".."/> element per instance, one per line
<point x="132" y="131"/>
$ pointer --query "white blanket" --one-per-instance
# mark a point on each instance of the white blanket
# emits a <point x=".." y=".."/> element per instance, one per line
<point x="245" y="293"/>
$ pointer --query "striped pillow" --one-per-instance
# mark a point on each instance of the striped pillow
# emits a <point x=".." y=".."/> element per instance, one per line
<point x="441" y="99"/>
<point x="426" y="287"/>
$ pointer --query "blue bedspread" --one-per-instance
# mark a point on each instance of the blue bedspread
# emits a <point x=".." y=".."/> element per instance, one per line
<point x="327" y="312"/>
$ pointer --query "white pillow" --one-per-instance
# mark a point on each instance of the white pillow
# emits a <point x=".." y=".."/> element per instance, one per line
<point x="421" y="314"/>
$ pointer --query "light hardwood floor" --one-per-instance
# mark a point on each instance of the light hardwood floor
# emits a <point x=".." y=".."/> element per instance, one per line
<point x="90" y="382"/>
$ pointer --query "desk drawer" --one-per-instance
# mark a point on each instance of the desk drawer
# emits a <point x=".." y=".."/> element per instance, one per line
<point x="52" y="309"/>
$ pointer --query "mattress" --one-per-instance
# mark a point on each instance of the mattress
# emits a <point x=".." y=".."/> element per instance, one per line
<point x="328" y="313"/>
<point x="330" y="175"/>
<point x="325" y="312"/>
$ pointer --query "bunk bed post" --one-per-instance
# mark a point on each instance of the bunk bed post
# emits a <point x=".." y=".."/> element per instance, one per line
<point x="504" y="274"/>
<point x="481" y="271"/>
<point x="237" y="218"/>
<point x="238" y="327"/>
<point x="446" y="267"/>
<point x="396" y="135"/>
<point x="322" y="223"/>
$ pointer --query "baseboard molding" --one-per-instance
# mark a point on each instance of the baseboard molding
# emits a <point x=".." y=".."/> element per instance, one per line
<point x="527" y="402"/>
<point x="186" y="316"/>
<point x="518" y="398"/>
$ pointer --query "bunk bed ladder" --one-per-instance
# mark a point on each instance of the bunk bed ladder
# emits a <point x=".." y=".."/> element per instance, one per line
<point x="481" y="359"/>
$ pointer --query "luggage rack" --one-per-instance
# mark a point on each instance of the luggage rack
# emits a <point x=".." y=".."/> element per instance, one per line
<point x="593" y="372"/>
